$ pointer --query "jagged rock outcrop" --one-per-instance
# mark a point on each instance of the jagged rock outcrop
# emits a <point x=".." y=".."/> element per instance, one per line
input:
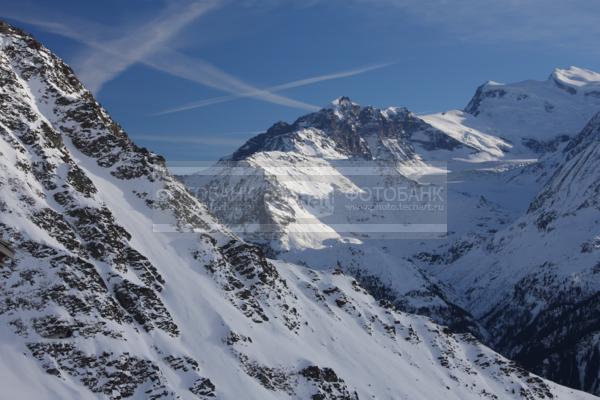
<point x="353" y="132"/>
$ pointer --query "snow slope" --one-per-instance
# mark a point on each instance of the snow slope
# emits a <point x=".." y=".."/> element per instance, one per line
<point x="102" y="301"/>
<point x="534" y="284"/>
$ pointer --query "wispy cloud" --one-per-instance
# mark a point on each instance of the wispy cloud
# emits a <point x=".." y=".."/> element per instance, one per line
<point x="273" y="89"/>
<point x="147" y="44"/>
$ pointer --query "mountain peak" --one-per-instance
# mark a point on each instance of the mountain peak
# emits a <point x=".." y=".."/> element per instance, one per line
<point x="575" y="76"/>
<point x="343" y="101"/>
<point x="535" y="115"/>
<point x="343" y="105"/>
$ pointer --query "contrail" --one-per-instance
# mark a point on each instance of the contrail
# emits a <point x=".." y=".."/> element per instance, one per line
<point x="273" y="89"/>
<point x="110" y="58"/>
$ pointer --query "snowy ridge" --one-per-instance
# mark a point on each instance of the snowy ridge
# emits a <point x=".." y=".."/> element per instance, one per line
<point x="463" y="126"/>
<point x="576" y="77"/>
<point x="355" y="132"/>
<point x="98" y="305"/>
<point x="275" y="212"/>
<point x="532" y="116"/>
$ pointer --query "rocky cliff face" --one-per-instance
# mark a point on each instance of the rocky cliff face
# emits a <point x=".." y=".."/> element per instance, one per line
<point x="123" y="286"/>
<point x="351" y="131"/>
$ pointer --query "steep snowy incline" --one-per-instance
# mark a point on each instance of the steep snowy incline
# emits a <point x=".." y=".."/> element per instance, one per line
<point x="535" y="285"/>
<point x="529" y="116"/>
<point x="102" y="301"/>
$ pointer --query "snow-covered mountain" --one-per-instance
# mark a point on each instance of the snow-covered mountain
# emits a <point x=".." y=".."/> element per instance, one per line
<point x="341" y="149"/>
<point x="102" y="302"/>
<point x="346" y="130"/>
<point x="529" y="116"/>
<point x="517" y="265"/>
<point x="535" y="284"/>
<point x="267" y="191"/>
<point x="502" y="128"/>
<point x="289" y="168"/>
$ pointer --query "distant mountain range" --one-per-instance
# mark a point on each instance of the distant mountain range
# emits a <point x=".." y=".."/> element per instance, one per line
<point x="518" y="266"/>
<point x="124" y="285"/>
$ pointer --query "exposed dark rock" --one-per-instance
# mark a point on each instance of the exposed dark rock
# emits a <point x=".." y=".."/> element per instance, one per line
<point x="348" y="126"/>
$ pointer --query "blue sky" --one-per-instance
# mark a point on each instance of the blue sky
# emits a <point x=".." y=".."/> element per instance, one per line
<point x="245" y="64"/>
